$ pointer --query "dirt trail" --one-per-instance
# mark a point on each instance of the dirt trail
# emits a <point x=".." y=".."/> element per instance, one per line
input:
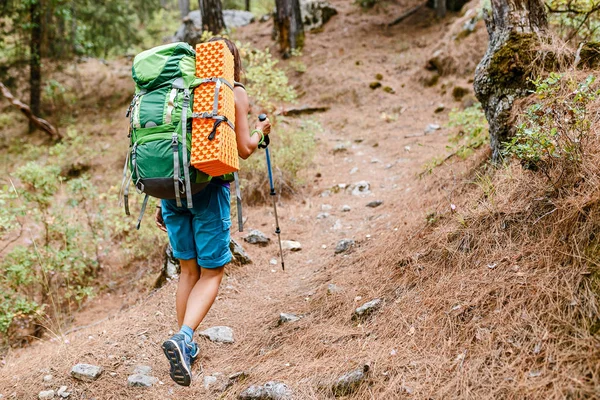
<point x="357" y="144"/>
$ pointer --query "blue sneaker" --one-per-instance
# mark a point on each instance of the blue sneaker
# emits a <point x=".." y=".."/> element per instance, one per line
<point x="194" y="352"/>
<point x="179" y="355"/>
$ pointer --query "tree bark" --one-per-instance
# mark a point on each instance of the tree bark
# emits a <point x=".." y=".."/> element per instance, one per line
<point x="515" y="28"/>
<point x="440" y="8"/>
<point x="288" y="26"/>
<point x="35" y="61"/>
<point x="184" y="8"/>
<point x="212" y="16"/>
<point x="247" y="5"/>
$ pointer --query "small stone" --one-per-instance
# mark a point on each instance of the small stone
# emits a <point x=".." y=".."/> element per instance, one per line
<point x="367" y="308"/>
<point x="141" y="380"/>
<point x="346" y="208"/>
<point x="361" y="188"/>
<point x="291" y="245"/>
<point x="285" y="317"/>
<point x="326" y="207"/>
<point x="238" y="252"/>
<point x="439" y="108"/>
<point x="350" y="381"/>
<point x="343" y="245"/>
<point x="219" y="334"/>
<point x="407" y="149"/>
<point x="273" y="261"/>
<point x="209" y="381"/>
<point x="257" y="237"/>
<point x="389" y="89"/>
<point x="62" y="392"/>
<point x="337" y="225"/>
<point x="46" y="394"/>
<point x="48" y="378"/>
<point x="332" y="288"/>
<point x="322" y="215"/>
<point x="374" y="85"/>
<point x="86" y="372"/>
<point x="353" y="170"/>
<point x="340" y="148"/>
<point x="374" y="203"/>
<point x="142" y="369"/>
<point x="269" y="391"/>
<point x="431" y="128"/>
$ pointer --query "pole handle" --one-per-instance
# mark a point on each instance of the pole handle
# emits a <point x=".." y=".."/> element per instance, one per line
<point x="266" y="141"/>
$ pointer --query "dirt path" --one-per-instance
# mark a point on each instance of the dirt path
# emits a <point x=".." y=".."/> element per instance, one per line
<point x="369" y="135"/>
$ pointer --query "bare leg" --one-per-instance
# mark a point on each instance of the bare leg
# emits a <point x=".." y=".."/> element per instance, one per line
<point x="190" y="274"/>
<point x="202" y="296"/>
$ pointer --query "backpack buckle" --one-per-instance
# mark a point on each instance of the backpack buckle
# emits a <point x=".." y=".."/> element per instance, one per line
<point x="139" y="186"/>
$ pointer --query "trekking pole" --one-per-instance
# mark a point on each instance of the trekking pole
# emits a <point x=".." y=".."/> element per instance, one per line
<point x="265" y="145"/>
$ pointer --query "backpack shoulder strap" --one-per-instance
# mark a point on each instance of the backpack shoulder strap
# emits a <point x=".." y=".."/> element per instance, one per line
<point x="239" y="84"/>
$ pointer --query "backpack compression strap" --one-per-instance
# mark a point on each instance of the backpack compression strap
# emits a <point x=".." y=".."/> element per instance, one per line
<point x="215" y="112"/>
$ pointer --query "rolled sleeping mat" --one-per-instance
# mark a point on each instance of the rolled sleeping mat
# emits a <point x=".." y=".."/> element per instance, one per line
<point x="214" y="146"/>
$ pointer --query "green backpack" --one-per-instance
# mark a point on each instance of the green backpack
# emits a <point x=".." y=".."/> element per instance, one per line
<point x="160" y="127"/>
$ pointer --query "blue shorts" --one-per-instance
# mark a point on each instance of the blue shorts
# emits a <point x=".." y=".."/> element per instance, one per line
<point x="201" y="232"/>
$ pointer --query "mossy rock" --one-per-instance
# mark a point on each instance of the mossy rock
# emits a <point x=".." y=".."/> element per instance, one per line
<point x="589" y="56"/>
<point x="375" y="85"/>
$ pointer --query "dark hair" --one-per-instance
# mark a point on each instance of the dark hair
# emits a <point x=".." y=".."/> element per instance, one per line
<point x="237" y="61"/>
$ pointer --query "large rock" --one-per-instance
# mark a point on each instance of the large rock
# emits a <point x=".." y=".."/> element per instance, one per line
<point x="237" y="18"/>
<point x="344" y="245"/>
<point x="86" y="372"/>
<point x="220" y="334"/>
<point x="141" y="380"/>
<point x="349" y="382"/>
<point x="239" y="254"/>
<point x="285" y="317"/>
<point x="315" y="13"/>
<point x="269" y="391"/>
<point x="190" y="30"/>
<point x="368" y="308"/>
<point x="291" y="245"/>
<point x="257" y="237"/>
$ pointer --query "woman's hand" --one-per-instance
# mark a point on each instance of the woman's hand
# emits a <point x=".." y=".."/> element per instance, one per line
<point x="159" y="219"/>
<point x="264" y="126"/>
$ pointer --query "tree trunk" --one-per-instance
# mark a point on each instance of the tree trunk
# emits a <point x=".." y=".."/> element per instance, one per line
<point x="184" y="8"/>
<point x="212" y="16"/>
<point x="35" y="62"/>
<point x="440" y="8"/>
<point x="247" y="5"/>
<point x="288" y="26"/>
<point x="516" y="28"/>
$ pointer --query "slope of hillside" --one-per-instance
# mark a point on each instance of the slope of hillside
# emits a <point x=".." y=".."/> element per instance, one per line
<point x="455" y="321"/>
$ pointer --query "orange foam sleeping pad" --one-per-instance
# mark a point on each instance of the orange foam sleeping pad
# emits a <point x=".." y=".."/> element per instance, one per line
<point x="218" y="156"/>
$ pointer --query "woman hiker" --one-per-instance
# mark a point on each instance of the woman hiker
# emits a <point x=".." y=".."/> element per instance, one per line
<point x="200" y="240"/>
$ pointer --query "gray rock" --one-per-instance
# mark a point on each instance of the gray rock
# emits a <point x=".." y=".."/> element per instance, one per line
<point x="191" y="29"/>
<point x="257" y="237"/>
<point x="86" y="372"/>
<point x="239" y="254"/>
<point x="285" y="317"/>
<point x="350" y="381"/>
<point x="361" y="188"/>
<point x="291" y="245"/>
<point x="315" y="13"/>
<point x="343" y="245"/>
<point x="346" y="208"/>
<point x="431" y="128"/>
<point x="48" y="378"/>
<point x="46" y="394"/>
<point x="326" y="207"/>
<point x="220" y="334"/>
<point x="141" y="380"/>
<point x="62" y="392"/>
<point x="209" y="381"/>
<point x="439" y="108"/>
<point x="332" y="288"/>
<point x="340" y="148"/>
<point x="142" y="369"/>
<point x="269" y="391"/>
<point x="322" y="215"/>
<point x="375" y="203"/>
<point x="353" y="170"/>
<point x="367" y="308"/>
<point x="237" y="18"/>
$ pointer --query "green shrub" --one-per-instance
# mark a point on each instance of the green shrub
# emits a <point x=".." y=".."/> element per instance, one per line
<point x="472" y="130"/>
<point x="292" y="150"/>
<point x="267" y="84"/>
<point x="553" y="131"/>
